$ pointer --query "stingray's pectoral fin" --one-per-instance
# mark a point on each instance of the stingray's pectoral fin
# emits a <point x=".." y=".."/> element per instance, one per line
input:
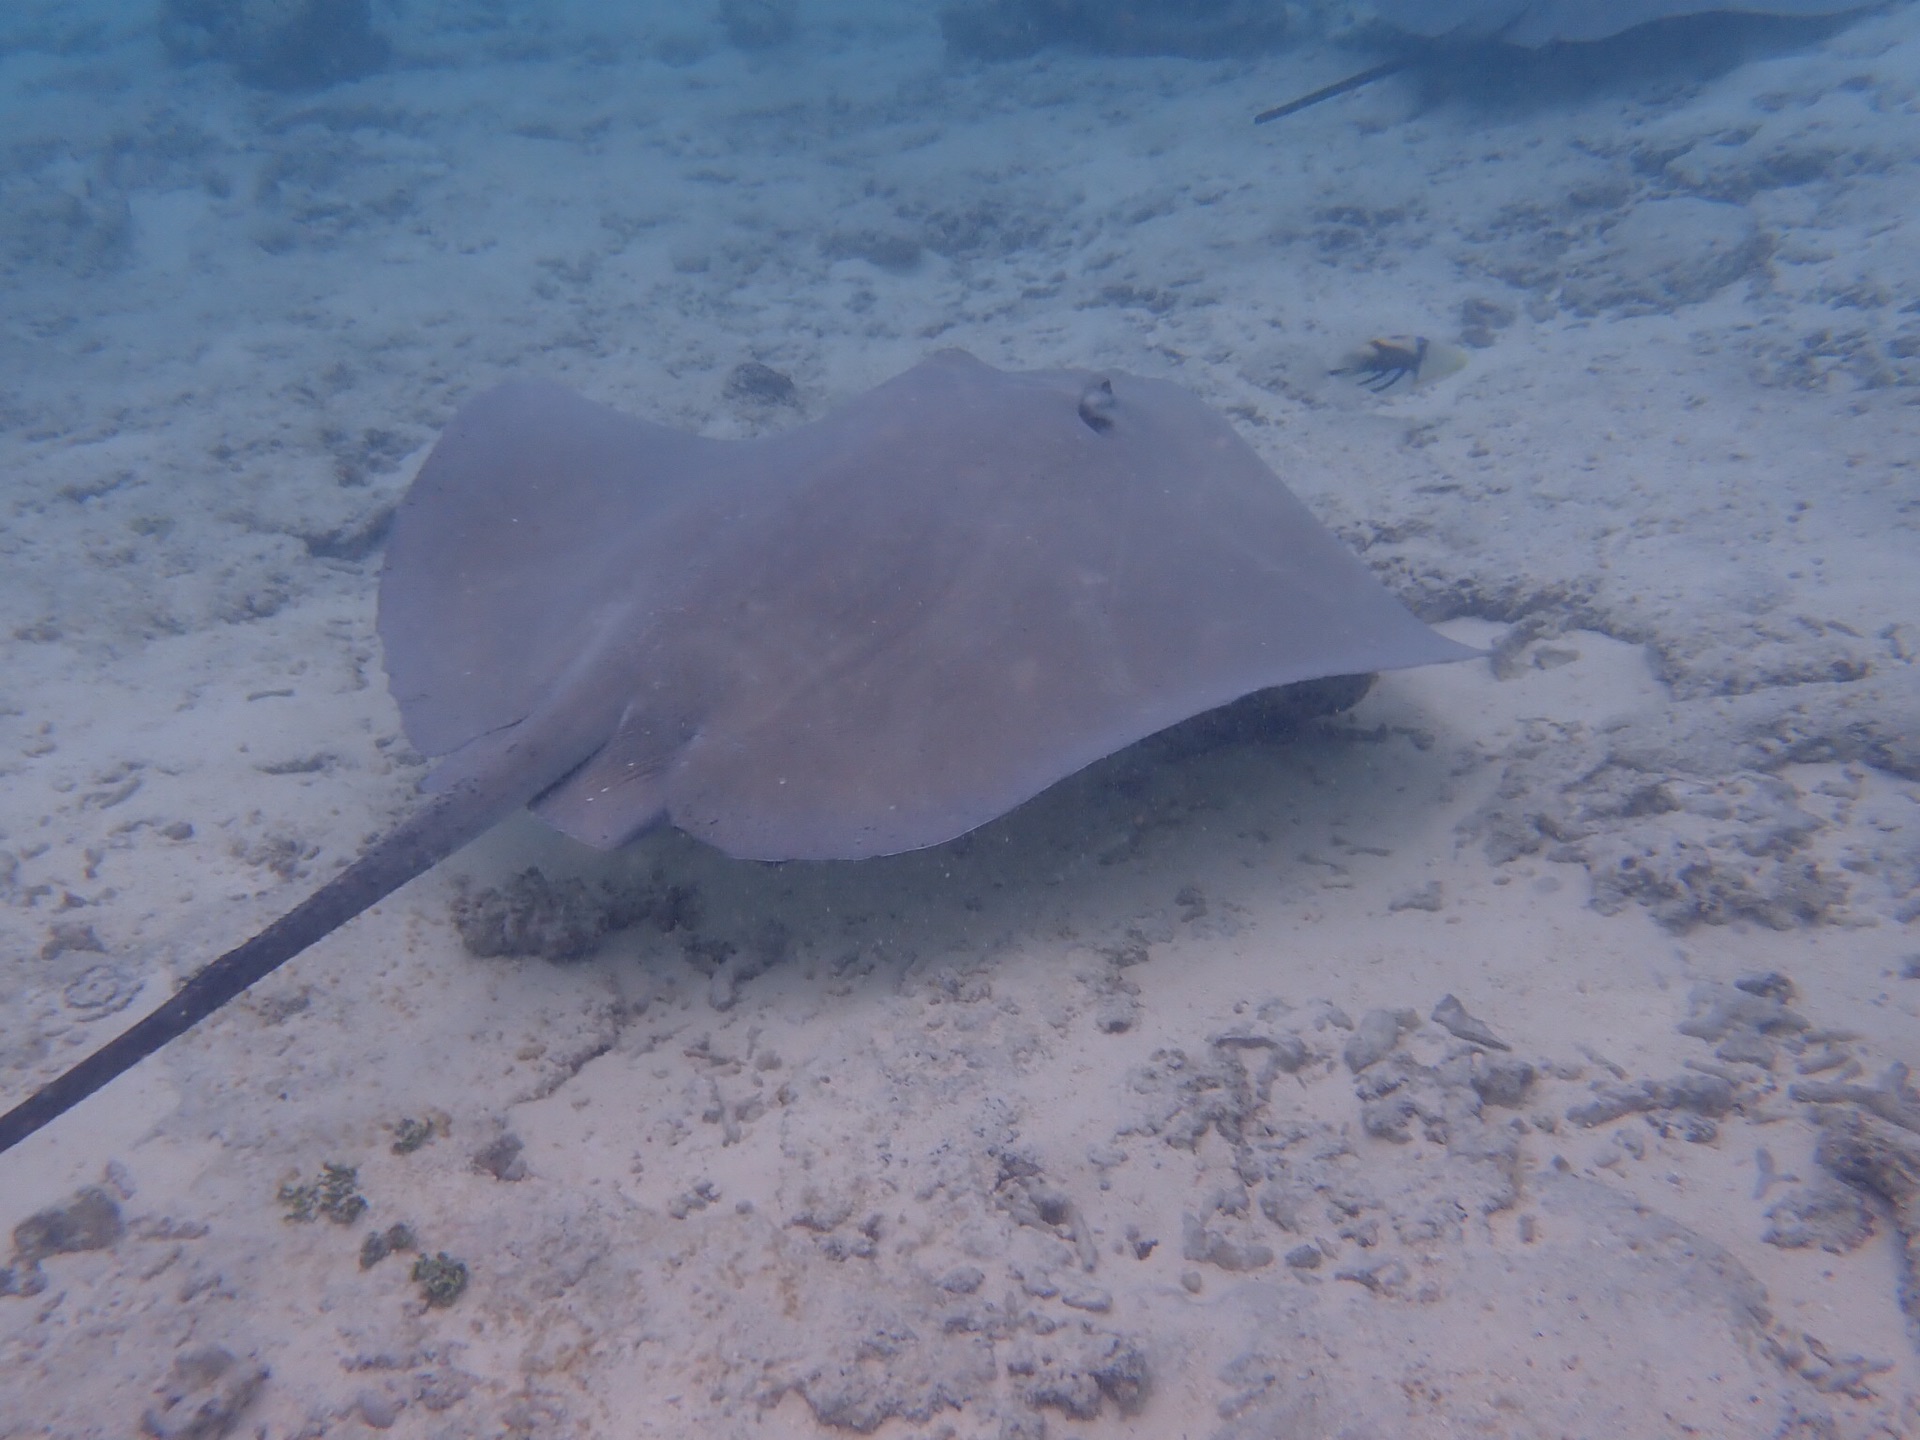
<point x="616" y="796"/>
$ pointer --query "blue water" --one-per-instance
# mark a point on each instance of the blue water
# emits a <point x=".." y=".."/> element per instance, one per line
<point x="995" y="1137"/>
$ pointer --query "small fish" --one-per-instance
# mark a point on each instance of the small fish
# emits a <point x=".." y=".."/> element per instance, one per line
<point x="1385" y="361"/>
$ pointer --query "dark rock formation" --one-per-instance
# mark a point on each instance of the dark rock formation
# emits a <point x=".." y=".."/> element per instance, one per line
<point x="277" y="44"/>
<point x="1005" y="29"/>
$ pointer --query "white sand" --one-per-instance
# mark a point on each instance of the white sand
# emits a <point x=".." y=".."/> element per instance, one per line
<point x="972" y="1166"/>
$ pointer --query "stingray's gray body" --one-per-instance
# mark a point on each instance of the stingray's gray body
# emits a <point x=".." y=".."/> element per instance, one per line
<point x="864" y="635"/>
<point x="1545" y="22"/>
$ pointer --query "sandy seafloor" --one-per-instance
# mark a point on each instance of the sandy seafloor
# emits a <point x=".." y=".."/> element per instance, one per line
<point x="1050" y="1131"/>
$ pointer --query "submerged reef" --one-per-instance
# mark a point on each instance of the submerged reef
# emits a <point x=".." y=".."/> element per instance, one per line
<point x="277" y="44"/>
<point x="1005" y="29"/>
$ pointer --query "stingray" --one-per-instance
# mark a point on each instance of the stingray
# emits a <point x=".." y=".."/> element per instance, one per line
<point x="864" y="635"/>
<point x="1535" y="24"/>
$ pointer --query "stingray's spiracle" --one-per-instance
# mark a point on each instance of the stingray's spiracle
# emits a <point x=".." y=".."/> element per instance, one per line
<point x="1097" y="404"/>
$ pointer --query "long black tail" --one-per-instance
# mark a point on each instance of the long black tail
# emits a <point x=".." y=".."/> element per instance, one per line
<point x="419" y="844"/>
<point x="1339" y="87"/>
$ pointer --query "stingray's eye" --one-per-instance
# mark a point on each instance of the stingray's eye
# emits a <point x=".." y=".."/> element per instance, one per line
<point x="1097" y="404"/>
